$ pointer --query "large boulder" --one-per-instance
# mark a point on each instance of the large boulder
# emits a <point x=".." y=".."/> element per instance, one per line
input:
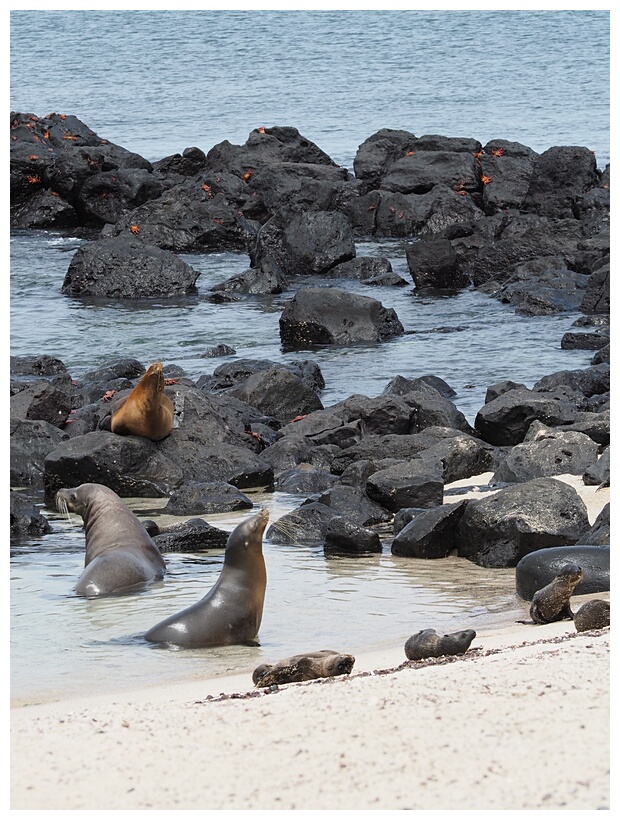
<point x="125" y="267"/>
<point x="430" y="533"/>
<point x="333" y="316"/>
<point x="307" y="243"/>
<point x="506" y="419"/>
<point x="551" y="453"/>
<point x="499" y="530"/>
<point x="434" y="264"/>
<point x="414" y="483"/>
<point x="561" y="176"/>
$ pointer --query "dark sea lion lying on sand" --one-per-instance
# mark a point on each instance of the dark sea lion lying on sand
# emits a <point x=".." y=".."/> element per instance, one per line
<point x="428" y="644"/>
<point x="312" y="665"/>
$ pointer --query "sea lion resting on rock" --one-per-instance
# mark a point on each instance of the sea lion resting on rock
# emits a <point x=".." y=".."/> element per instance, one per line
<point x="231" y="612"/>
<point x="552" y="603"/>
<point x="312" y="665"/>
<point x="120" y="554"/>
<point x="146" y="411"/>
<point x="428" y="644"/>
<point x="592" y="615"/>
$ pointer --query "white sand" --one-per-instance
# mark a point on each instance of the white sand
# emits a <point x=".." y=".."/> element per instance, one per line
<point x="523" y="727"/>
<point x="521" y="721"/>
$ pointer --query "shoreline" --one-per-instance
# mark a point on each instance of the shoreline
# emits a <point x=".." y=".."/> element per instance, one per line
<point x="404" y="728"/>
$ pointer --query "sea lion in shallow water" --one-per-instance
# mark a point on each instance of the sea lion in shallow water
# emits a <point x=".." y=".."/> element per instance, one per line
<point x="231" y="612"/>
<point x="552" y="603"/>
<point x="428" y="644"/>
<point x="323" y="664"/>
<point x="146" y="411"/>
<point x="120" y="554"/>
<point x="592" y="615"/>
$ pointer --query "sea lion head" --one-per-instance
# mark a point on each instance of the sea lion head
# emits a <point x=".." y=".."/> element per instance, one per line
<point x="571" y="573"/>
<point x="75" y="499"/>
<point x="155" y="374"/>
<point x="339" y="665"/>
<point x="246" y="539"/>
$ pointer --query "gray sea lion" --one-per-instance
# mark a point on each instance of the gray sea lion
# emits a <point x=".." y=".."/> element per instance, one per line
<point x="428" y="644"/>
<point x="592" y="615"/>
<point x="120" y="554"/>
<point x="231" y="612"/>
<point x="146" y="411"/>
<point x="323" y="664"/>
<point x="552" y="603"/>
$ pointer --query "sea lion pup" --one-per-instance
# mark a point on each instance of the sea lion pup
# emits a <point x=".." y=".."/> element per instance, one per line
<point x="120" y="554"/>
<point x="428" y="644"/>
<point x="146" y="411"/>
<point x="323" y="664"/>
<point x="552" y="603"/>
<point x="592" y="615"/>
<point x="231" y="612"/>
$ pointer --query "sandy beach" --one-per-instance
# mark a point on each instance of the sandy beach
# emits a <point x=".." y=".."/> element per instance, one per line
<point x="521" y="721"/>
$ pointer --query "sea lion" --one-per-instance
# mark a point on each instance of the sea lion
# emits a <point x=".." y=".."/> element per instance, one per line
<point x="428" y="644"/>
<point x="592" y="615"/>
<point x="231" y="612"/>
<point x="120" y="554"/>
<point x="146" y="411"/>
<point x="552" y="603"/>
<point x="536" y="569"/>
<point x="323" y="664"/>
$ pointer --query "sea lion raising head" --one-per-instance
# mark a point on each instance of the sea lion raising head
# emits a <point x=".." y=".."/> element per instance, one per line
<point x="146" y="411"/>
<point x="232" y="610"/>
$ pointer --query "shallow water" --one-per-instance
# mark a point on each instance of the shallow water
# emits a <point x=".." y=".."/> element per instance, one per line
<point x="157" y="82"/>
<point x="345" y="603"/>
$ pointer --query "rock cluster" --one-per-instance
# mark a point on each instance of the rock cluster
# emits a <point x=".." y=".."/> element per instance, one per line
<point x="529" y="229"/>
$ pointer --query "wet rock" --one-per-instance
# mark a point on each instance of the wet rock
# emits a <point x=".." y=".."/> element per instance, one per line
<point x="590" y="381"/>
<point x="506" y="419"/>
<point x="378" y="152"/>
<point x="41" y="401"/>
<point x="434" y="264"/>
<point x="25" y="519"/>
<point x="108" y="196"/>
<point x="309" y="243"/>
<point x="194" y="535"/>
<point x="127" y="268"/>
<point x="332" y="316"/>
<point x="437" y="212"/>
<point x="430" y="534"/>
<point x="353" y="504"/>
<point x="207" y="498"/>
<point x="498" y="531"/>
<point x="344" y="536"/>
<point x="305" y="525"/>
<point x="415" y="483"/>
<point x="399" y="386"/>
<point x="506" y="170"/>
<point x="304" y="480"/>
<point x="592" y="615"/>
<point x="30" y="443"/>
<point x="584" y="341"/>
<point x="596" y="298"/>
<point x="375" y="270"/>
<point x="279" y="393"/>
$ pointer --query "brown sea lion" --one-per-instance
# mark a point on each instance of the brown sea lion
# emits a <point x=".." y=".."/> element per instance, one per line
<point x="231" y="612"/>
<point x="428" y="644"/>
<point x="322" y="664"/>
<point x="120" y="555"/>
<point x="592" y="615"/>
<point x="146" y="411"/>
<point x="552" y="603"/>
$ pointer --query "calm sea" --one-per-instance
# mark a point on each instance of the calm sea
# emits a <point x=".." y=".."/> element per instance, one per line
<point x="157" y="82"/>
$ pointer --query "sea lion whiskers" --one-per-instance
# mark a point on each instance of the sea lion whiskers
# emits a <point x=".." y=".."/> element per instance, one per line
<point x="61" y="506"/>
<point x="287" y="525"/>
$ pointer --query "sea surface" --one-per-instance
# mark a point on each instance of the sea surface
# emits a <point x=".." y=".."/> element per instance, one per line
<point x="157" y="82"/>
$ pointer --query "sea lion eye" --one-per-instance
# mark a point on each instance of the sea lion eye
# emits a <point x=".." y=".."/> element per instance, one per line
<point x="73" y="497"/>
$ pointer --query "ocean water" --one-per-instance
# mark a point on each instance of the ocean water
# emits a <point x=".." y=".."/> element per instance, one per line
<point x="157" y="82"/>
